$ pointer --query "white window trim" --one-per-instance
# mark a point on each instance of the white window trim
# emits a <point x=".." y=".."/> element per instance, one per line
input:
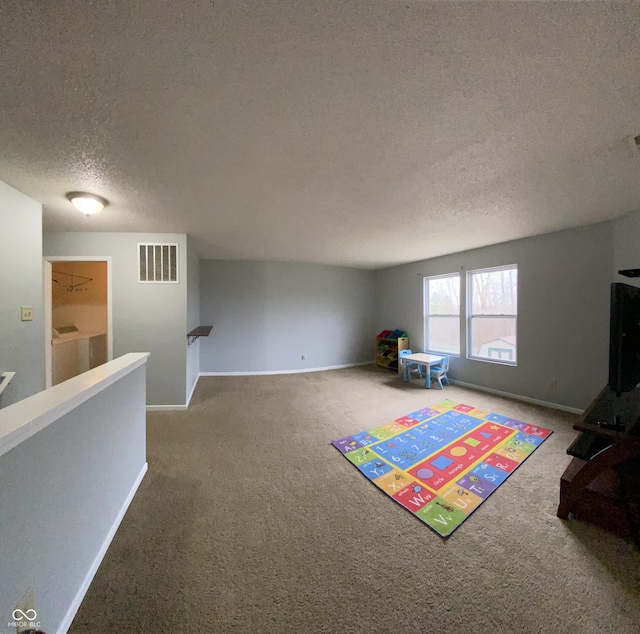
<point x="470" y="316"/>
<point x="426" y="316"/>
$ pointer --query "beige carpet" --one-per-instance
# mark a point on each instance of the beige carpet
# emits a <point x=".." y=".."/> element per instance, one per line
<point x="250" y="521"/>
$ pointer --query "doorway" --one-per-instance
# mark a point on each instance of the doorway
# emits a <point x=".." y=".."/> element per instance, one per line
<point x="78" y="329"/>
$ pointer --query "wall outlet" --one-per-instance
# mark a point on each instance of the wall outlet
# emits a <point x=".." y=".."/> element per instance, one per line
<point x="554" y="384"/>
<point x="26" y="313"/>
<point x="304" y="356"/>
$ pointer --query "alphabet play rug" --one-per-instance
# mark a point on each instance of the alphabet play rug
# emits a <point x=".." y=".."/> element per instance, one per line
<point x="442" y="462"/>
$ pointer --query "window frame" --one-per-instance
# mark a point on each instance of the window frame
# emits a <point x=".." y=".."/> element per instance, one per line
<point x="426" y="316"/>
<point x="470" y="316"/>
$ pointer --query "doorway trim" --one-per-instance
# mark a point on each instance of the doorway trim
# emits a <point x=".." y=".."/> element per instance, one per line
<point x="48" y="305"/>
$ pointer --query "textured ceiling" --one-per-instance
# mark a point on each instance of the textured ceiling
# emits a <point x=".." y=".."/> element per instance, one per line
<point x="355" y="133"/>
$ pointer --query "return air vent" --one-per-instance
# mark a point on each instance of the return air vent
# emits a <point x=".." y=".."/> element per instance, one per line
<point x="158" y="263"/>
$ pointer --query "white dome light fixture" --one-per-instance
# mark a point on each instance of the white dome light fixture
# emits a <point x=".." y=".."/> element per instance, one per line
<point x="88" y="204"/>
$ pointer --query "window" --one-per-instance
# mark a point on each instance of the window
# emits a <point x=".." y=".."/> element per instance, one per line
<point x="442" y="313"/>
<point x="492" y="299"/>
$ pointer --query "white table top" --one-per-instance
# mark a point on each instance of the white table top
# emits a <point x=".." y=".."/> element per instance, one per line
<point x="32" y="414"/>
<point x="423" y="358"/>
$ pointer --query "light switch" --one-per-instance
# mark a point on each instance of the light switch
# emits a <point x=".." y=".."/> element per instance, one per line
<point x="27" y="313"/>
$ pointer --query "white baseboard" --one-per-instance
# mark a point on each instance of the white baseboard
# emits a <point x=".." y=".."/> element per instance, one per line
<point x="165" y="408"/>
<point x="77" y="600"/>
<point x="518" y="397"/>
<point x="193" y="389"/>
<point x="329" y="367"/>
<point x="174" y="408"/>
<point x="169" y="408"/>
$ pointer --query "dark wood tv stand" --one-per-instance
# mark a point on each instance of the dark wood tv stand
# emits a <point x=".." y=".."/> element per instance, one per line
<point x="600" y="484"/>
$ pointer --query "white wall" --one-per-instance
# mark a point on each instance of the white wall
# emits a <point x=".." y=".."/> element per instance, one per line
<point x="21" y="342"/>
<point x="266" y="315"/>
<point x="146" y="317"/>
<point x="193" y="315"/>
<point x="563" y="312"/>
<point x="65" y="488"/>
<point x="86" y="318"/>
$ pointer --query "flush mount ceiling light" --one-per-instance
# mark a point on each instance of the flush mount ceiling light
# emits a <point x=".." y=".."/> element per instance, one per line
<point x="87" y="203"/>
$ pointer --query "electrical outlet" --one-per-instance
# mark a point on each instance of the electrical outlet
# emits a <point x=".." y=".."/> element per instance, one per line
<point x="304" y="356"/>
<point x="554" y="384"/>
<point x="26" y="313"/>
<point x="25" y="617"/>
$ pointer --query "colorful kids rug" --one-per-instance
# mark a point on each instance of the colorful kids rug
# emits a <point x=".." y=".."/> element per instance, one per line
<point x="442" y="462"/>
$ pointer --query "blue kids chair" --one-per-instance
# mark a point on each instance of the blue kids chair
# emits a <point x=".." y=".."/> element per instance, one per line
<point x="439" y="372"/>
<point x="409" y="367"/>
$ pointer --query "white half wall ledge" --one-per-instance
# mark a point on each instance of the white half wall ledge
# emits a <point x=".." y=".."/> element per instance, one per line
<point x="302" y="371"/>
<point x="29" y="416"/>
<point x="75" y="455"/>
<point x="519" y="397"/>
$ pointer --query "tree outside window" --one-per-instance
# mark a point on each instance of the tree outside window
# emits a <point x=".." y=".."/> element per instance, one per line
<point x="493" y="313"/>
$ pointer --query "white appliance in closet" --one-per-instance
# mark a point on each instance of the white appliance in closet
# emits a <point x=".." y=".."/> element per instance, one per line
<point x="75" y="352"/>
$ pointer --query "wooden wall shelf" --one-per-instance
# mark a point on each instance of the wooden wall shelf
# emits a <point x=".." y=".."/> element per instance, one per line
<point x="200" y="331"/>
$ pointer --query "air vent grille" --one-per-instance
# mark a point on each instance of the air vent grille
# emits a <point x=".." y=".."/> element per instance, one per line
<point x="158" y="263"/>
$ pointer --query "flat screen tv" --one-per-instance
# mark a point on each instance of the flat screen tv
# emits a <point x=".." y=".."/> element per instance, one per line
<point x="624" y="338"/>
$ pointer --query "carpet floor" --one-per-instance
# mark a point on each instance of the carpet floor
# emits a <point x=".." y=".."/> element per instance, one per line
<point x="249" y="521"/>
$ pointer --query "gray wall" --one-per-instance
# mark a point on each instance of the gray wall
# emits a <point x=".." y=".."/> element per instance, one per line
<point x="193" y="314"/>
<point x="21" y="343"/>
<point x="266" y="315"/>
<point x="563" y="312"/>
<point x="146" y="317"/>
<point x="626" y="247"/>
<point x="62" y="490"/>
